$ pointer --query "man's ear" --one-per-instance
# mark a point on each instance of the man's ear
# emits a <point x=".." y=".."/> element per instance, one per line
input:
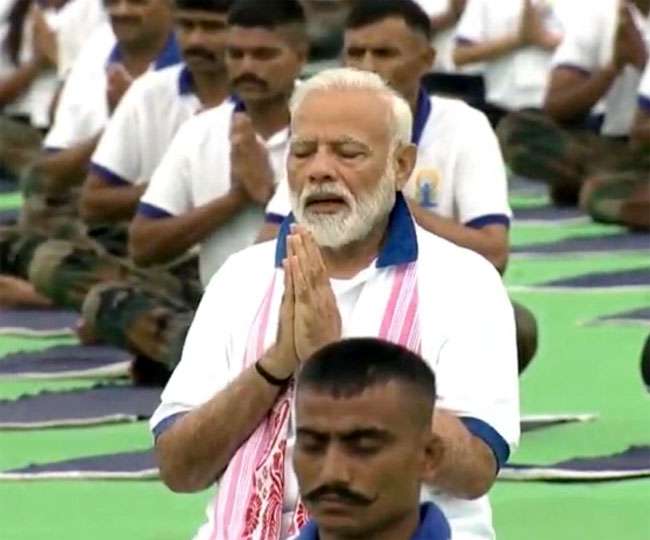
<point x="405" y="157"/>
<point x="433" y="454"/>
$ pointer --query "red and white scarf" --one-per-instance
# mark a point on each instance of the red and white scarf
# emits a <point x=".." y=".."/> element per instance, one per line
<point x="250" y="501"/>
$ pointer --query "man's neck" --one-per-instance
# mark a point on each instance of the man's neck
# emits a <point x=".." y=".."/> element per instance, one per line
<point x="269" y="117"/>
<point x="412" y="100"/>
<point x="347" y="261"/>
<point x="137" y="58"/>
<point x="210" y="87"/>
<point x="401" y="530"/>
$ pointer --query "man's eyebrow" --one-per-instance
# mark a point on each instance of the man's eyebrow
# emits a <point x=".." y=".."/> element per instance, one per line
<point x="366" y="433"/>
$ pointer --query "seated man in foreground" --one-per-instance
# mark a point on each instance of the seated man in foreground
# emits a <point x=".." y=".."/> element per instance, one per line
<point x="364" y="446"/>
<point x="353" y="264"/>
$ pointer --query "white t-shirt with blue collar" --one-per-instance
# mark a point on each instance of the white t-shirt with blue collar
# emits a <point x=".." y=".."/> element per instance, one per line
<point x="143" y="125"/>
<point x="82" y="111"/>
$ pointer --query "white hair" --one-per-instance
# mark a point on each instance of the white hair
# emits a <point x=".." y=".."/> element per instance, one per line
<point x="355" y="79"/>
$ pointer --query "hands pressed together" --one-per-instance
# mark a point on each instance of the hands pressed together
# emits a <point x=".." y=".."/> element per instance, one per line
<point x="629" y="46"/>
<point x="250" y="165"/>
<point x="309" y="316"/>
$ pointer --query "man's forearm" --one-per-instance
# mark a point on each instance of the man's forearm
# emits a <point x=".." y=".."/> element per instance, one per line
<point x="570" y="97"/>
<point x="195" y="451"/>
<point x="490" y="241"/>
<point x="469" y="53"/>
<point x="468" y="467"/>
<point x="14" y="85"/>
<point x="159" y="240"/>
<point x="109" y="204"/>
<point x="67" y="168"/>
<point x="640" y="134"/>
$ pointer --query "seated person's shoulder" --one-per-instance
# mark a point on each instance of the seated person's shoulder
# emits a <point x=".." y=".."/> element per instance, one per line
<point x="158" y="84"/>
<point x="455" y="113"/>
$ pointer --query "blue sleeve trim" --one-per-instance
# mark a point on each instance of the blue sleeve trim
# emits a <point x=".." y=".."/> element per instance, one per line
<point x="274" y="218"/>
<point x="165" y="424"/>
<point x="644" y="103"/>
<point x="484" y="431"/>
<point x="490" y="219"/>
<point x="575" y="68"/>
<point x="52" y="149"/>
<point x="460" y="40"/>
<point x="109" y="176"/>
<point x="151" y="211"/>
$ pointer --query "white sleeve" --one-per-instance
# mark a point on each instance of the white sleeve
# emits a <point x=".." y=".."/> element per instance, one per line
<point x="82" y="110"/>
<point x="580" y="47"/>
<point x="205" y="367"/>
<point x="170" y="187"/>
<point x="480" y="181"/>
<point x="644" y="89"/>
<point x="118" y="157"/>
<point x="471" y="26"/>
<point x="476" y="371"/>
<point x="279" y="206"/>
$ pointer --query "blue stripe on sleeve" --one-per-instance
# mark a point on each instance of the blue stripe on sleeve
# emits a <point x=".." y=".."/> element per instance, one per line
<point x="644" y="103"/>
<point x="484" y="431"/>
<point x="489" y="219"/>
<point x="274" y="218"/>
<point x="166" y="423"/>
<point x="109" y="176"/>
<point x="151" y="211"/>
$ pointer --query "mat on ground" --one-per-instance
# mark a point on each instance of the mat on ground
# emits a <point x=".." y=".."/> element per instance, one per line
<point x="66" y="361"/>
<point x="549" y="214"/>
<point x="138" y="465"/>
<point x="633" y="317"/>
<point x="533" y="422"/>
<point x="617" y="279"/>
<point x="632" y="463"/>
<point x="633" y="242"/>
<point x="37" y="322"/>
<point x="102" y="404"/>
<point x="9" y="216"/>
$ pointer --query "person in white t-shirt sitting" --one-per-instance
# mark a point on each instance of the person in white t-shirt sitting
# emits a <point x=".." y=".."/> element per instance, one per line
<point x="139" y="38"/>
<point x="458" y="188"/>
<point x="353" y="264"/>
<point x="590" y="102"/>
<point x="515" y="40"/>
<point x="211" y="185"/>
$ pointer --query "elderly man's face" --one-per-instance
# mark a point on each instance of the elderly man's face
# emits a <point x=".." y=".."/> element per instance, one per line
<point x="343" y="172"/>
<point x="392" y="50"/>
<point x="360" y="460"/>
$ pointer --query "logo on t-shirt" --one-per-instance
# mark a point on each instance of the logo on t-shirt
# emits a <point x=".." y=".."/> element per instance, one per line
<point x="427" y="185"/>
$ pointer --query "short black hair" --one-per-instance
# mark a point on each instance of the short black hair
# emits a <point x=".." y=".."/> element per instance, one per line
<point x="348" y="367"/>
<point x="266" y="14"/>
<point x="366" y="12"/>
<point x="216" y="6"/>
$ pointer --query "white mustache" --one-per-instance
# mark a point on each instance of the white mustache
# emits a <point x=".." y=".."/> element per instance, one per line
<point x="325" y="190"/>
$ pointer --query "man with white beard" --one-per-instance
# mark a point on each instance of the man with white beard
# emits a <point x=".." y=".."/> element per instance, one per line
<point x="350" y="261"/>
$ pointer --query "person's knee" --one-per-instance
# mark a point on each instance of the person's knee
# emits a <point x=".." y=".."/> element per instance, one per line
<point x="527" y="335"/>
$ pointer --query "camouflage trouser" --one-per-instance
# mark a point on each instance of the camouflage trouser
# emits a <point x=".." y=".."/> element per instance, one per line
<point x="145" y="311"/>
<point x="19" y="144"/>
<point x="536" y="147"/>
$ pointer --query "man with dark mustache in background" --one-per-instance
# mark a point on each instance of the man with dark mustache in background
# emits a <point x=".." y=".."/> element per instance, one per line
<point x="364" y="445"/>
<point x="153" y="110"/>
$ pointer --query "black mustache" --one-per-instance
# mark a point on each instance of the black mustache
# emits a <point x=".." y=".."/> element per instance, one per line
<point x="117" y="19"/>
<point x="202" y="53"/>
<point x="343" y="493"/>
<point x="249" y="78"/>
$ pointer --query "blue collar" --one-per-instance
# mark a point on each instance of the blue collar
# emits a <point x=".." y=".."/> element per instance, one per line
<point x="240" y="106"/>
<point x="185" y="82"/>
<point x="422" y="113"/>
<point x="169" y="56"/>
<point x="400" y="247"/>
<point x="433" y="526"/>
